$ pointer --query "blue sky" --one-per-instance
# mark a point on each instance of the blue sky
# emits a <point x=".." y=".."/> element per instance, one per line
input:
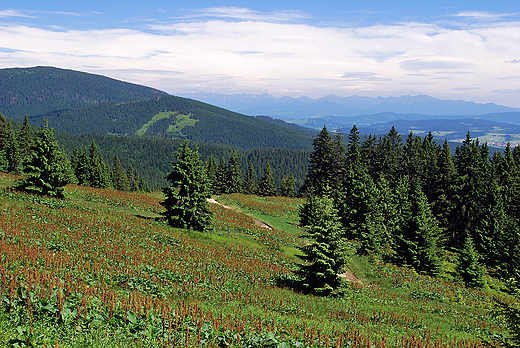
<point x="467" y="50"/>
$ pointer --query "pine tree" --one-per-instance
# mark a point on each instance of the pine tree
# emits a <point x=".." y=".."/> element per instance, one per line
<point x="266" y="187"/>
<point x="324" y="256"/>
<point x="119" y="178"/>
<point x="287" y="186"/>
<point x="186" y="199"/>
<point x="469" y="266"/>
<point x="250" y="184"/>
<point x="48" y="171"/>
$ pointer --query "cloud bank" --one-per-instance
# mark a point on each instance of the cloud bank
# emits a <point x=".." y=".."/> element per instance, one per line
<point x="235" y="50"/>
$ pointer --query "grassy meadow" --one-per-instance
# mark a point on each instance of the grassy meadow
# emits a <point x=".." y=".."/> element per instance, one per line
<point x="99" y="269"/>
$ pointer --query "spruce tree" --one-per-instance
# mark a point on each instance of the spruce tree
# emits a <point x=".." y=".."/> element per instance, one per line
<point x="287" y="186"/>
<point x="469" y="266"/>
<point x="250" y="184"/>
<point x="25" y="138"/>
<point x="98" y="171"/>
<point x="323" y="257"/>
<point x="48" y="170"/>
<point x="322" y="164"/>
<point x="80" y="166"/>
<point x="416" y="241"/>
<point x="220" y="178"/>
<point x="186" y="199"/>
<point x="234" y="174"/>
<point x="119" y="178"/>
<point x="211" y="172"/>
<point x="266" y="187"/>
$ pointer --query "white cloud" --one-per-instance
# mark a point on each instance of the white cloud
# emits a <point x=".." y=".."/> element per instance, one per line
<point x="484" y="15"/>
<point x="255" y="53"/>
<point x="245" y="14"/>
<point x="13" y="13"/>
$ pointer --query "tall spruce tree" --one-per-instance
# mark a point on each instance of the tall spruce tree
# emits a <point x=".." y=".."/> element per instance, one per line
<point x="220" y="178"/>
<point x="119" y="178"/>
<point x="210" y="166"/>
<point x="323" y="257"/>
<point x="469" y="266"/>
<point x="266" y="187"/>
<point x="416" y="242"/>
<point x="25" y="138"/>
<point x="250" y="184"/>
<point x="287" y="186"/>
<point x="234" y="174"/>
<point x="322" y="164"/>
<point x="48" y="170"/>
<point x="99" y="173"/>
<point x="186" y="199"/>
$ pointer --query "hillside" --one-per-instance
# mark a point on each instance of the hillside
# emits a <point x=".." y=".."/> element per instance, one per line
<point x="177" y="117"/>
<point x="38" y="90"/>
<point x="97" y="269"/>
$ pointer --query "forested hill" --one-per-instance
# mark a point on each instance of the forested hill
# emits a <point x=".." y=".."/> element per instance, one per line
<point x="177" y="117"/>
<point x="38" y="90"/>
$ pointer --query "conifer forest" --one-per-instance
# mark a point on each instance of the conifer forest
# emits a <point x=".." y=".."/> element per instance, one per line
<point x="375" y="241"/>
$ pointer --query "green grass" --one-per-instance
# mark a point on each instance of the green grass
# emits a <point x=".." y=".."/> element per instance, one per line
<point x="130" y="281"/>
<point x="179" y="122"/>
<point x="158" y="117"/>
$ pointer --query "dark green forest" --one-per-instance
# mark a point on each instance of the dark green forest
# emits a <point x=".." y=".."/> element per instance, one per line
<point x="151" y="157"/>
<point x="38" y="90"/>
<point x="211" y="124"/>
<point x="413" y="203"/>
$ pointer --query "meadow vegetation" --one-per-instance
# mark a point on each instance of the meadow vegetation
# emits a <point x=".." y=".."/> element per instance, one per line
<point x="101" y="268"/>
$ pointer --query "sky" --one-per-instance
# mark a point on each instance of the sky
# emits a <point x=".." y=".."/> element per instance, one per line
<point x="458" y="49"/>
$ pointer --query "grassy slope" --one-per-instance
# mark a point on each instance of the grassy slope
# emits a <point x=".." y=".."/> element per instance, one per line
<point x="120" y="278"/>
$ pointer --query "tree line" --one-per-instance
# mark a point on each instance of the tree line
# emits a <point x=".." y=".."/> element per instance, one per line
<point x="37" y="155"/>
<point x="409" y="202"/>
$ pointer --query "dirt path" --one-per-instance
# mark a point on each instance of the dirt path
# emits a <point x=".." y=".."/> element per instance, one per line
<point x="350" y="276"/>
<point x="258" y="222"/>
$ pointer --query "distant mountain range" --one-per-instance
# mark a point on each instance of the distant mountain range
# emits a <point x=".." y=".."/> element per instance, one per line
<point x="78" y="102"/>
<point x="287" y="108"/>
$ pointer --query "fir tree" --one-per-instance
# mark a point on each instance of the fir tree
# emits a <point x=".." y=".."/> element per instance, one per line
<point x="186" y="199"/>
<point x="323" y="257"/>
<point x="48" y="171"/>
<point x="266" y="185"/>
